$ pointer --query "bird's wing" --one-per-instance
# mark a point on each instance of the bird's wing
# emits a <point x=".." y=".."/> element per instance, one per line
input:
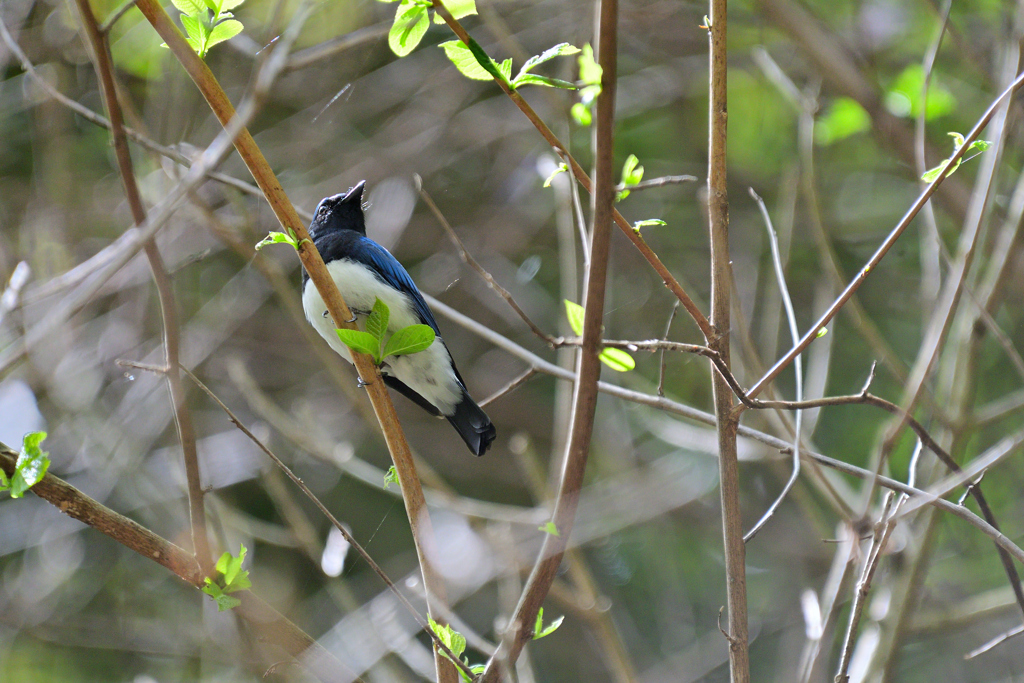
<point x="392" y="272"/>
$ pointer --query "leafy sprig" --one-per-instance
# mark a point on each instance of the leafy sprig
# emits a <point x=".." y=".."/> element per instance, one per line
<point x="456" y="642"/>
<point x="208" y="22"/>
<point x="230" y="578"/>
<point x="958" y="142"/>
<point x="632" y="174"/>
<point x="590" y="75"/>
<point x="616" y="359"/>
<point x="31" y="467"/>
<point x="408" y="340"/>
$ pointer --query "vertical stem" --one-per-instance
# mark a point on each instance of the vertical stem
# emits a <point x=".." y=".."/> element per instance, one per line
<point x="728" y="421"/>
<point x="588" y="366"/>
<point x="168" y="309"/>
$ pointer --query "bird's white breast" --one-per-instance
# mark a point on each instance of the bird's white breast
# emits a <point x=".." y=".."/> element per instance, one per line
<point x="428" y="373"/>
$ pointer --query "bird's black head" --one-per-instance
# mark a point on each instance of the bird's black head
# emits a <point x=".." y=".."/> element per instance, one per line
<point x="340" y="212"/>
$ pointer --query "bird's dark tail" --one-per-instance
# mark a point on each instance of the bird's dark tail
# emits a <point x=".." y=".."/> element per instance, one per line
<point x="473" y="425"/>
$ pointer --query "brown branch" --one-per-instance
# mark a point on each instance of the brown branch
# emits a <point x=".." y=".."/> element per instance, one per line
<point x="588" y="364"/>
<point x="468" y="259"/>
<point x="412" y="493"/>
<point x="273" y="626"/>
<point x="165" y="291"/>
<point x="633" y="235"/>
<point x="727" y="420"/>
<point x="510" y="387"/>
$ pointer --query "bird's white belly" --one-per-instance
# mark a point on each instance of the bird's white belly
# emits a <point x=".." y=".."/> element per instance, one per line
<point x="428" y="373"/>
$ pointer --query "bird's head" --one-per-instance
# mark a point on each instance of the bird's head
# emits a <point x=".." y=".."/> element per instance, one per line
<point x="340" y="212"/>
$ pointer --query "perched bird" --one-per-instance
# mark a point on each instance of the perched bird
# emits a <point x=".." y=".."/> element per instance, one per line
<point x="365" y="271"/>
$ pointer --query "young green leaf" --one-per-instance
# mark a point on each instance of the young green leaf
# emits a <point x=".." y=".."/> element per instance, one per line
<point x="377" y="323"/>
<point x="549" y="528"/>
<point x="458" y="9"/>
<point x="411" y="339"/>
<point x="225" y="30"/>
<point x="845" y="117"/>
<point x="821" y="333"/>
<point x="411" y="23"/>
<point x="279" y="238"/>
<point x="574" y="313"/>
<point x="535" y="79"/>
<point x="590" y="70"/>
<point x="560" y="50"/>
<point x="455" y="641"/>
<point x="632" y="173"/>
<point x="194" y="33"/>
<point x="232" y="578"/>
<point x="617" y="359"/>
<point x="505" y="69"/>
<point x="31" y="467"/>
<point x="958" y="142"/>
<point x="190" y="7"/>
<point x="647" y="223"/>
<point x="561" y="169"/>
<point x="581" y="114"/>
<point x="465" y="61"/>
<point x="362" y="342"/>
<point x="539" y="631"/>
<point x="391" y="477"/>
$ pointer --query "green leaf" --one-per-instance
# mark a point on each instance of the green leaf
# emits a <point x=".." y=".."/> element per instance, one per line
<point x="549" y="528"/>
<point x="821" y="333"/>
<point x="647" y="223"/>
<point x="232" y="578"/>
<point x="391" y="477"/>
<point x="632" y="173"/>
<point x="958" y="142"/>
<point x="458" y="8"/>
<point x="845" y="118"/>
<point x="465" y="61"/>
<point x="278" y="238"/>
<point x="505" y="69"/>
<point x="617" y="359"/>
<point x="535" y="79"/>
<point x="407" y="340"/>
<point x="560" y="50"/>
<point x="360" y="341"/>
<point x="561" y="169"/>
<point x="212" y="5"/>
<point x="377" y="323"/>
<point x="590" y="70"/>
<point x="224" y="601"/>
<point x="411" y="23"/>
<point x="225" y="30"/>
<point x="194" y="8"/>
<point x="581" y="113"/>
<point x="574" y="313"/>
<point x="455" y="641"/>
<point x="538" y="628"/>
<point x="907" y="90"/>
<point x="229" y="5"/>
<point x="31" y="467"/>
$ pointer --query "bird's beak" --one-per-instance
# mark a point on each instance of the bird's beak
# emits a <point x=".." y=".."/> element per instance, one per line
<point x="356" y="193"/>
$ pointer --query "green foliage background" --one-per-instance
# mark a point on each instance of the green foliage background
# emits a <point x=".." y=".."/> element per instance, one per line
<point x="75" y="606"/>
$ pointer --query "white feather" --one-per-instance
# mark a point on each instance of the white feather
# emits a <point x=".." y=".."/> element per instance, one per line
<point x="429" y="373"/>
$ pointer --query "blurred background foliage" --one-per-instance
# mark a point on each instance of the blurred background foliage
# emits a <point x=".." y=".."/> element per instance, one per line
<point x="642" y="594"/>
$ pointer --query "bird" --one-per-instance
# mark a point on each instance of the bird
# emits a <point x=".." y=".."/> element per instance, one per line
<point x="365" y="271"/>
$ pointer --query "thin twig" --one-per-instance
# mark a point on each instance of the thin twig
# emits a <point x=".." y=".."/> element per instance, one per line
<point x="115" y="16"/>
<point x="510" y="387"/>
<point x="780" y="276"/>
<point x="664" y="337"/>
<point x="657" y="182"/>
<point x="577" y="212"/>
<point x="627" y="229"/>
<point x="468" y="259"/>
<point x="309" y="494"/>
<point x="886" y="245"/>
<point x="883" y="529"/>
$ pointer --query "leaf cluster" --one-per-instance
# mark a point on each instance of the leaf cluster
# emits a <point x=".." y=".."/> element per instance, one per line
<point x="208" y="22"/>
<point x="374" y="341"/>
<point x="231" y="579"/>
<point x="31" y="467"/>
<point x="958" y="141"/>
